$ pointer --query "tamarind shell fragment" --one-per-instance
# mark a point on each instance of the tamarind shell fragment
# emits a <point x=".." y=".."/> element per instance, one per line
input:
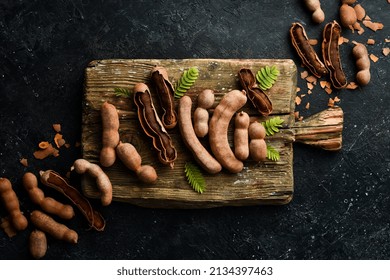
<point x="165" y="92"/>
<point x="152" y="125"/>
<point x="258" y="97"/>
<point x="54" y="180"/>
<point x="309" y="57"/>
<point x="331" y="54"/>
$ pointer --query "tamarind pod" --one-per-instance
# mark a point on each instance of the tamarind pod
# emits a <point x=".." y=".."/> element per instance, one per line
<point x="48" y="204"/>
<point x="201" y="155"/>
<point x="309" y="57"/>
<point x="259" y="98"/>
<point x="165" y="93"/>
<point x="152" y="125"/>
<point x="37" y="244"/>
<point x="360" y="53"/>
<point x="103" y="183"/>
<point x="331" y="54"/>
<point x="52" y="179"/>
<point x="110" y="134"/>
<point x="47" y="224"/>
<point x="218" y="130"/>
<point x="240" y="135"/>
<point x="11" y="203"/>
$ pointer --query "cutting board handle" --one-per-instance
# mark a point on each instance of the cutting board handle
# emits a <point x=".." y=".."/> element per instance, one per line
<point x="322" y="130"/>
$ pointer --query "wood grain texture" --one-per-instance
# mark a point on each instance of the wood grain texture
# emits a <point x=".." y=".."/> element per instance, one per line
<point x="259" y="183"/>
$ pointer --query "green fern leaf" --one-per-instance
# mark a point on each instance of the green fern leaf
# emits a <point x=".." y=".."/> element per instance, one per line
<point x="122" y="92"/>
<point x="272" y="153"/>
<point x="195" y="177"/>
<point x="272" y="125"/>
<point x="186" y="81"/>
<point x="266" y="77"/>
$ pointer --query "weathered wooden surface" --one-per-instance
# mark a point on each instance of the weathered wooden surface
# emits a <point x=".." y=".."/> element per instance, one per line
<point x="259" y="183"/>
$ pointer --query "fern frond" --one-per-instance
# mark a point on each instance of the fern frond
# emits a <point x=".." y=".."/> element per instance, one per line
<point x="272" y="125"/>
<point x="195" y="177"/>
<point x="267" y="76"/>
<point x="186" y="81"/>
<point x="122" y="92"/>
<point x="272" y="153"/>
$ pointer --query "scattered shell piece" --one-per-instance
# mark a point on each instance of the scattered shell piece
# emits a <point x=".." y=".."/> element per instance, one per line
<point x="313" y="42"/>
<point x="386" y="51"/>
<point x="337" y="99"/>
<point x="330" y="102"/>
<point x="374" y="26"/>
<point x="352" y="85"/>
<point x="43" y="145"/>
<point x="57" y="127"/>
<point x="59" y="140"/>
<point x="359" y="28"/>
<point x="7" y="227"/>
<point x="387" y="40"/>
<point x="328" y="90"/>
<point x="309" y="91"/>
<point x="304" y="74"/>
<point x="307" y="105"/>
<point x="325" y="84"/>
<point x="296" y="114"/>
<point x="370" y="42"/>
<point x="310" y="85"/>
<point x="374" y="58"/>
<point x="298" y="100"/>
<point x="24" y="162"/>
<point x="312" y="79"/>
<point x="44" y="153"/>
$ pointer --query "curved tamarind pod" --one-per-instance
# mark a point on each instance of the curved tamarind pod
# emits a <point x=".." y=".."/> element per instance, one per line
<point x="331" y="54"/>
<point x="309" y="57"/>
<point x="201" y="155"/>
<point x="110" y="134"/>
<point x="152" y="125"/>
<point x="53" y="180"/>
<point x="165" y="93"/>
<point x="259" y="98"/>
<point x="11" y="204"/>
<point x="48" y="204"/>
<point x="103" y="183"/>
<point x="219" y="124"/>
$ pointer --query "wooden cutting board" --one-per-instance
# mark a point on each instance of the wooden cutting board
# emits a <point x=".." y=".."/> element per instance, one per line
<point x="259" y="183"/>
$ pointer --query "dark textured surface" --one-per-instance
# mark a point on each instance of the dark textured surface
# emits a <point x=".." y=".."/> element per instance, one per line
<point x="341" y="207"/>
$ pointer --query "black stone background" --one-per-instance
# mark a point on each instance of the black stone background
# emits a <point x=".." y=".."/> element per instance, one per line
<point x="341" y="205"/>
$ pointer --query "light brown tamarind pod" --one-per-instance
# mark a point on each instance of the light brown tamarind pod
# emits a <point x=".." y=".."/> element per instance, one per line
<point x="363" y="76"/>
<point x="130" y="157"/>
<point x="257" y="145"/>
<point x="103" y="183"/>
<point x="219" y="123"/>
<point x="314" y="6"/>
<point x="241" y="139"/>
<point x="11" y="203"/>
<point x="37" y="244"/>
<point x="110" y="134"/>
<point x="48" y="225"/>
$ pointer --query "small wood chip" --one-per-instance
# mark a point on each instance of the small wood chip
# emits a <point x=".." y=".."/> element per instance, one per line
<point x="352" y="85"/>
<point x="313" y="42"/>
<point x="24" y="162"/>
<point x="374" y="58"/>
<point x="360" y="12"/>
<point x="370" y="42"/>
<point x="386" y="51"/>
<point x="304" y="74"/>
<point x="307" y="105"/>
<point x="57" y="127"/>
<point x="298" y="100"/>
